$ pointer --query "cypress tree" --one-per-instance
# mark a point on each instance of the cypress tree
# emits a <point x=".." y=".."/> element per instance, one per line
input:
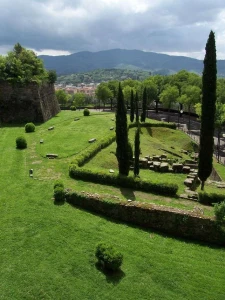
<point x="136" y="108"/>
<point x="122" y="149"/>
<point x="132" y="106"/>
<point x="208" y="111"/>
<point x="144" y="105"/>
<point x="136" y="151"/>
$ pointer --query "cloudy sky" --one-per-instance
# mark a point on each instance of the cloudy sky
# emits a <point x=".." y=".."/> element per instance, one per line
<point x="55" y="27"/>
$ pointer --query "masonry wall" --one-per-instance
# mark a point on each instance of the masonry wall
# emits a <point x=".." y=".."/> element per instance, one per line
<point x="30" y="103"/>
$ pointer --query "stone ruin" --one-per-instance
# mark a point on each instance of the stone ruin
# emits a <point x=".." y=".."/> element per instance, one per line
<point x="29" y="103"/>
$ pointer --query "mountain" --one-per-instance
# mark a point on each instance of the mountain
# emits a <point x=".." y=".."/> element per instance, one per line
<point x="132" y="59"/>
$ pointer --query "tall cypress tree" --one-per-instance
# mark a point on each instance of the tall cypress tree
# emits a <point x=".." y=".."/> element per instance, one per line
<point x="136" y="108"/>
<point x="122" y="149"/>
<point x="208" y="111"/>
<point x="137" y="151"/>
<point x="132" y="106"/>
<point x="144" y="105"/>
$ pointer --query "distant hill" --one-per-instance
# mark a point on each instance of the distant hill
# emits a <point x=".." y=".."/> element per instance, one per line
<point x="125" y="59"/>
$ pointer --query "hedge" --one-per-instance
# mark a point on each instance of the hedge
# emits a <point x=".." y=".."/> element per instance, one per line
<point x="210" y="198"/>
<point x="123" y="181"/>
<point x="93" y="149"/>
<point x="172" y="221"/>
<point x="159" y="124"/>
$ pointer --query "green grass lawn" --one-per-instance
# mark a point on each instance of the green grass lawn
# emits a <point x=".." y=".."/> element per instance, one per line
<point x="47" y="250"/>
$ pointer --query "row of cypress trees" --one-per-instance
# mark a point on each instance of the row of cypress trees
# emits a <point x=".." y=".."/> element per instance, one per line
<point x="207" y="120"/>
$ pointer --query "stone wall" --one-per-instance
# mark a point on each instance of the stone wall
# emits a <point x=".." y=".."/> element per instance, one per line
<point x="176" y="222"/>
<point x="30" y="103"/>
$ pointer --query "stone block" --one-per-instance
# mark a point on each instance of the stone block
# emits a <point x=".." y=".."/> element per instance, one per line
<point x="51" y="155"/>
<point x="92" y="140"/>
<point x="186" y="169"/>
<point x="188" y="182"/>
<point x="51" y="128"/>
<point x="156" y="158"/>
<point x="156" y="165"/>
<point x="164" y="167"/>
<point x="177" y="168"/>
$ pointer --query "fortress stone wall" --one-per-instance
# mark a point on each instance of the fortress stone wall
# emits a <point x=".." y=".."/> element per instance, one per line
<point x="30" y="103"/>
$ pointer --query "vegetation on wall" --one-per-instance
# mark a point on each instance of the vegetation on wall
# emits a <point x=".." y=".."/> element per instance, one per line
<point x="23" y="66"/>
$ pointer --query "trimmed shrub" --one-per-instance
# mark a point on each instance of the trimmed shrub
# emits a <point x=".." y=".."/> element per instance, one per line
<point x="210" y="198"/>
<point x="59" y="194"/>
<point x="58" y="183"/>
<point x="159" y="124"/>
<point x="86" y="112"/>
<point x="219" y="210"/>
<point x="29" y="127"/>
<point x="21" y="142"/>
<point x="123" y="181"/>
<point x="108" y="256"/>
<point x="73" y="107"/>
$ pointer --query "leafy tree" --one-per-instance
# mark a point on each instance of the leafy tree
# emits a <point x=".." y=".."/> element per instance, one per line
<point x="78" y="99"/>
<point x="113" y="86"/>
<point x="208" y="111"/>
<point x="103" y="93"/>
<point x="144" y="105"/>
<point x="126" y="93"/>
<point x="62" y="97"/>
<point x="132" y="106"/>
<point x="22" y="66"/>
<point x="52" y="76"/>
<point x="191" y="97"/>
<point x="122" y="149"/>
<point x="137" y="151"/>
<point x="151" y="88"/>
<point x="169" y="96"/>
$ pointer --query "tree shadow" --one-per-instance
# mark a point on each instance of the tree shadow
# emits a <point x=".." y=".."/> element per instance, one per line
<point x="149" y="130"/>
<point x="127" y="193"/>
<point x="113" y="277"/>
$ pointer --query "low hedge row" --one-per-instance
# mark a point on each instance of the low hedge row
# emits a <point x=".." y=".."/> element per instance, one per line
<point x="158" y="124"/>
<point x="210" y="198"/>
<point x="123" y="181"/>
<point x="92" y="150"/>
<point x="172" y="221"/>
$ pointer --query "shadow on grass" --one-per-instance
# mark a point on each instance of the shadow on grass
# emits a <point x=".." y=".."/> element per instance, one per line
<point x="113" y="277"/>
<point x="152" y="231"/>
<point x="149" y="130"/>
<point x="127" y="193"/>
<point x="59" y="203"/>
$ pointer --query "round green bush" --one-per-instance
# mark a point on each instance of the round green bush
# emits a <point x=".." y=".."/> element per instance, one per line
<point x="108" y="256"/>
<point x="59" y="194"/>
<point x="73" y="107"/>
<point x="21" y="142"/>
<point x="58" y="183"/>
<point x="86" y="112"/>
<point x="29" y="127"/>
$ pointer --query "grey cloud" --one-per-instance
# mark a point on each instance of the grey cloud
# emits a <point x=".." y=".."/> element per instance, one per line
<point x="181" y="26"/>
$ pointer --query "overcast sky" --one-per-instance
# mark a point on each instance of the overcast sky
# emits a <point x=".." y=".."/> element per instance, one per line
<point x="177" y="27"/>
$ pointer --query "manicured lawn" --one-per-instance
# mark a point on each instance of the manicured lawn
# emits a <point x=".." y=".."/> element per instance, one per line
<point x="47" y="250"/>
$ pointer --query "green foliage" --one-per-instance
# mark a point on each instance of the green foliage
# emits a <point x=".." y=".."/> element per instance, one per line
<point x="62" y="97"/>
<point x="208" y="111"/>
<point x="52" y="76"/>
<point x="29" y="127"/>
<point x="73" y="108"/>
<point x="86" y="112"/>
<point x="91" y="151"/>
<point x="122" y="152"/>
<point x="59" y="194"/>
<point x="136" y="108"/>
<point x="58" y="183"/>
<point x="132" y="106"/>
<point x="21" y="142"/>
<point x="136" y="152"/>
<point x="144" y="105"/>
<point x="78" y="99"/>
<point x="22" y="66"/>
<point x="103" y="92"/>
<point x="155" y="124"/>
<point x="210" y="198"/>
<point x="108" y="256"/>
<point x="123" y="181"/>
<point x="219" y="210"/>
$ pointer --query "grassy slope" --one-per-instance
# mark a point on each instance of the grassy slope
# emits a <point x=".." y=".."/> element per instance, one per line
<point x="47" y="251"/>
